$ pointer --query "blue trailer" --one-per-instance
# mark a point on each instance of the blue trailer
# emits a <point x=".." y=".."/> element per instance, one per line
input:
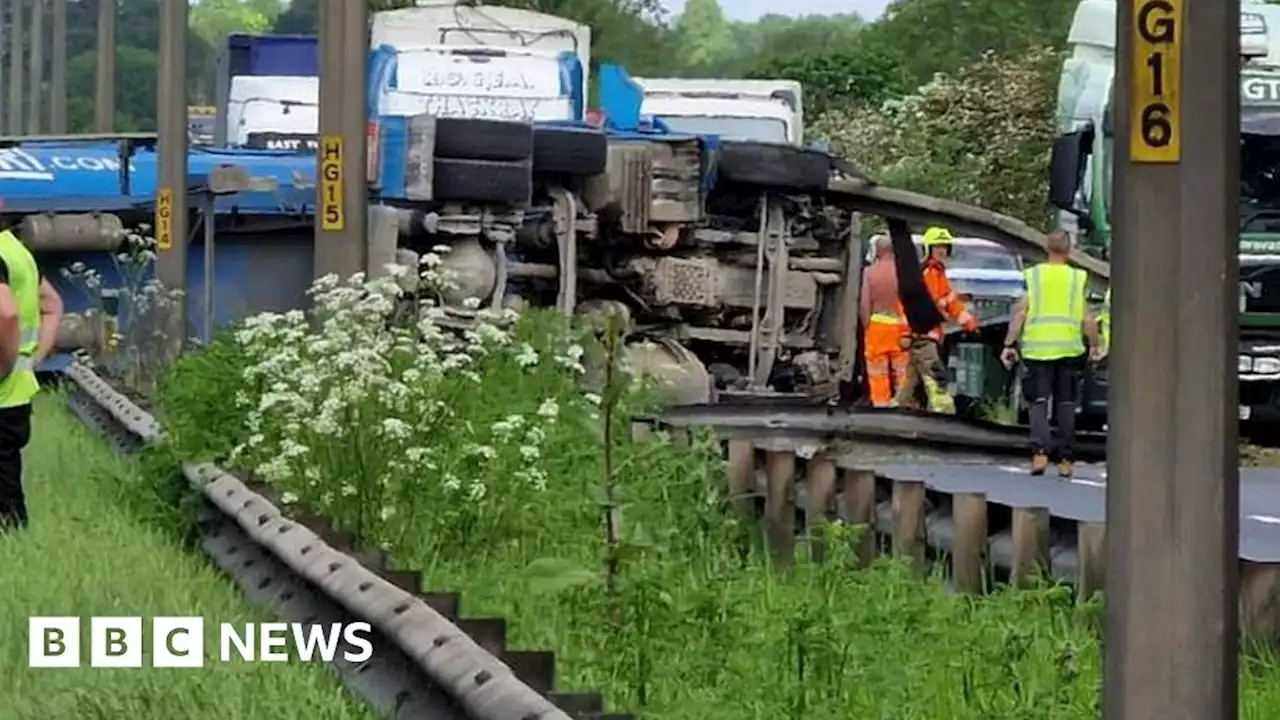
<point x="72" y="201"/>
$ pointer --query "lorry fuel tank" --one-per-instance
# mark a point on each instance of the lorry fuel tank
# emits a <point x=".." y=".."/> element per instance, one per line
<point x="90" y="232"/>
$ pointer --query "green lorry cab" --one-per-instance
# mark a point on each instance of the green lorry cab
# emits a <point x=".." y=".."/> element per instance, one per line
<point x="1080" y="179"/>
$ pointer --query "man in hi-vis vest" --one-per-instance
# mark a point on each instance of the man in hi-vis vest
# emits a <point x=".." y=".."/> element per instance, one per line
<point x="30" y="312"/>
<point x="1051" y="322"/>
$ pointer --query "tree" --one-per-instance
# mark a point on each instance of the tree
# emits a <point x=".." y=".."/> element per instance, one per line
<point x="214" y="20"/>
<point x="980" y="135"/>
<point x="135" y="101"/>
<point x="856" y="74"/>
<point x="300" y="18"/>
<point x="705" y="38"/>
<point x="932" y="36"/>
<point x="775" y="35"/>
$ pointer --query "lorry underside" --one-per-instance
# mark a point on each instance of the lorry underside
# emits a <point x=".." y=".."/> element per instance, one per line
<point x="737" y="263"/>
<point x="730" y="260"/>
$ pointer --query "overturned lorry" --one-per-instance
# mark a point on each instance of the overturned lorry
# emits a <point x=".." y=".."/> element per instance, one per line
<point x="739" y="260"/>
<point x="731" y="255"/>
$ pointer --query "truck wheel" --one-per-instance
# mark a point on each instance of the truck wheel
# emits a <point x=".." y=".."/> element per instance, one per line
<point x="475" y="139"/>
<point x="483" y="180"/>
<point x="757" y="163"/>
<point x="570" y="151"/>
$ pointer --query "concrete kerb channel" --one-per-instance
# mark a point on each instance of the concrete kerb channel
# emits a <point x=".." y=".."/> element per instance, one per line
<point x="424" y="665"/>
<point x="923" y="502"/>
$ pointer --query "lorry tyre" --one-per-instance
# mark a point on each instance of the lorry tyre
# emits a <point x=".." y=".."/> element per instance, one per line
<point x="475" y="139"/>
<point x="483" y="180"/>
<point x="570" y="151"/>
<point x="775" y="165"/>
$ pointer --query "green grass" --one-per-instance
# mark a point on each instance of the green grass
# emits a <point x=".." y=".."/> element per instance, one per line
<point x="695" y="624"/>
<point x="87" y="553"/>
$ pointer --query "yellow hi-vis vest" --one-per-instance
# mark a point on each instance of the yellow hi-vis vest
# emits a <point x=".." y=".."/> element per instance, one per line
<point x="21" y="386"/>
<point x="1055" y="312"/>
<point x="1104" y="322"/>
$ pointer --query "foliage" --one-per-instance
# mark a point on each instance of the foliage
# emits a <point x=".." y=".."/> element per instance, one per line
<point x="932" y="36"/>
<point x="408" y="396"/>
<point x="207" y="379"/>
<point x="759" y="45"/>
<point x="135" y="349"/>
<point x="618" y="554"/>
<point x="213" y="20"/>
<point x="853" y="76"/>
<point x="981" y="135"/>
<point x="137" y="42"/>
<point x="703" y="34"/>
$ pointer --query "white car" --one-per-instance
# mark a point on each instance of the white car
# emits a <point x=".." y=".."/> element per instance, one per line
<point x="984" y="273"/>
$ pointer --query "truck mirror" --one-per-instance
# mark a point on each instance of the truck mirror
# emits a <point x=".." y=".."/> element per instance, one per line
<point x="1066" y="168"/>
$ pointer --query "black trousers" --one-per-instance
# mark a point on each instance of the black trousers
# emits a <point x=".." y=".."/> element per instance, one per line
<point x="15" y="433"/>
<point x="1053" y="384"/>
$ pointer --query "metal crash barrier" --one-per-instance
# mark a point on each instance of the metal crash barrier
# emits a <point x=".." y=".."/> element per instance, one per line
<point x="425" y="664"/>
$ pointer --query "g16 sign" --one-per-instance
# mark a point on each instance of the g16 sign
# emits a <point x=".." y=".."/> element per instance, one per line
<point x="282" y="141"/>
<point x="1155" y="122"/>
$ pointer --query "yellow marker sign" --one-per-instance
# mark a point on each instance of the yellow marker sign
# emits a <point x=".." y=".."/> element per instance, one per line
<point x="164" y="219"/>
<point x="1155" y="115"/>
<point x="331" y="216"/>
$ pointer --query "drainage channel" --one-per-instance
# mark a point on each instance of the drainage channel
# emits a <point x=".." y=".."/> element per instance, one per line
<point x="423" y="667"/>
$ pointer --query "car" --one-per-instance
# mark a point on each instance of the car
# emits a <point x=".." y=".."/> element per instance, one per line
<point x="985" y="274"/>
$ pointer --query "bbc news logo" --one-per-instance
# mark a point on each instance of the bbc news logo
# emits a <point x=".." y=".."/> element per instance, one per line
<point x="179" y="642"/>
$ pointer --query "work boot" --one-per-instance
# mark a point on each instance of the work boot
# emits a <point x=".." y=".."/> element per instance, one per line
<point x="940" y="401"/>
<point x="1039" y="462"/>
<point x="1064" y="468"/>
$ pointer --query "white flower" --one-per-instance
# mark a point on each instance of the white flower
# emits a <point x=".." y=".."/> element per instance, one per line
<point x="549" y="410"/>
<point x="395" y="428"/>
<point x="528" y="357"/>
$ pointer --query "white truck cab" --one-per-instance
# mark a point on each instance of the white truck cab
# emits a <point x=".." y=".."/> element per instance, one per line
<point x="273" y="112"/>
<point x="760" y="110"/>
<point x="483" y="81"/>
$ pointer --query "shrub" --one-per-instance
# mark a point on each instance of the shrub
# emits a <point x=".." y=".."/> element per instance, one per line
<point x="981" y="135"/>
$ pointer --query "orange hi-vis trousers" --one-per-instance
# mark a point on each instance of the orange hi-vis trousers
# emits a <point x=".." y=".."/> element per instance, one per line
<point x="886" y="359"/>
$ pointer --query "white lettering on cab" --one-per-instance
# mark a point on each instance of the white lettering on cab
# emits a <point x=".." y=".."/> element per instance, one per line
<point x="495" y="108"/>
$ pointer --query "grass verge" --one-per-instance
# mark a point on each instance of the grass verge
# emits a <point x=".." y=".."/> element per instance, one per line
<point x="480" y="460"/>
<point x="86" y="554"/>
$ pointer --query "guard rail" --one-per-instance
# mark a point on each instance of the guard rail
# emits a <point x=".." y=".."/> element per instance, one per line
<point x="427" y="663"/>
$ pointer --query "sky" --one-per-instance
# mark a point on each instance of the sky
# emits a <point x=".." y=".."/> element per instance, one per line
<point x="750" y="10"/>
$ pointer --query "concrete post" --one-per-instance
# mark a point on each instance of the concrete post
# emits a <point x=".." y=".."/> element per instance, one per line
<point x="1173" y="478"/>
<point x="58" y="71"/>
<point x="104" y="97"/>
